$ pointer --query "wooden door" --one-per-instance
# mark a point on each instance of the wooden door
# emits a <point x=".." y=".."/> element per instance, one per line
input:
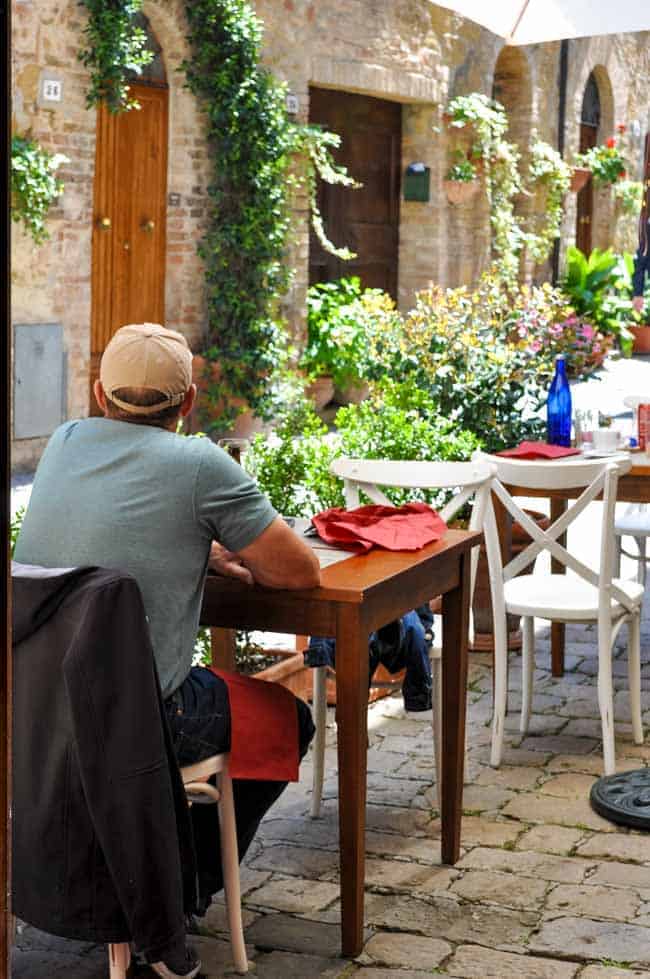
<point x="585" y="203"/>
<point x="366" y="219"/>
<point x="128" y="249"/>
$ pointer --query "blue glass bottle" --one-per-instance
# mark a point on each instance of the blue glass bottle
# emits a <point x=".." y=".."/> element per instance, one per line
<point x="558" y="407"/>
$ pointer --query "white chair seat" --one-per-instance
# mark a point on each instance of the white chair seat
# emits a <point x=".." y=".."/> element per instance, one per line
<point x="563" y="598"/>
<point x="635" y="520"/>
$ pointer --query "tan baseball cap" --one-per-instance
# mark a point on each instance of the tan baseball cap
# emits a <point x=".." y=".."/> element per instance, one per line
<point x="146" y="355"/>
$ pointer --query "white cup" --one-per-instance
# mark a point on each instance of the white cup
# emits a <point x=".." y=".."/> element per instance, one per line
<point x="605" y="439"/>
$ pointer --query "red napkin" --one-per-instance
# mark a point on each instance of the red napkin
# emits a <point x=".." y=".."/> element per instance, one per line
<point x="538" y="450"/>
<point x="404" y="528"/>
<point x="263" y="728"/>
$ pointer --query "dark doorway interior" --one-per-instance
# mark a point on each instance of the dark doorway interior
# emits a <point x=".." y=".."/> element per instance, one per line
<point x="366" y="220"/>
<point x="589" y="123"/>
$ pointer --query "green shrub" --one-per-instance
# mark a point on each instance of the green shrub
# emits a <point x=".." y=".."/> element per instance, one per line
<point x="398" y="421"/>
<point x="34" y="185"/>
<point x="599" y="287"/>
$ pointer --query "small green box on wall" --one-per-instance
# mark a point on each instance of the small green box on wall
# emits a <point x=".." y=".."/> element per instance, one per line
<point x="416" y="182"/>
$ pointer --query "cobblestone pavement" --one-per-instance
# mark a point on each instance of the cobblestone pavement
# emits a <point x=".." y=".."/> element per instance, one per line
<point x="544" y="889"/>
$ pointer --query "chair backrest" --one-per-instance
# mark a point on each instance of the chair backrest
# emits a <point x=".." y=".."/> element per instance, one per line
<point x="467" y="481"/>
<point x="595" y="478"/>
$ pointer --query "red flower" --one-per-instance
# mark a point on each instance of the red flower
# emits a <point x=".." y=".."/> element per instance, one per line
<point x="621" y="128"/>
<point x="611" y="143"/>
<point x="622" y="175"/>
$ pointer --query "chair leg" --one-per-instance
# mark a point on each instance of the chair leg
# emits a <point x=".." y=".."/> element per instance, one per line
<point x="618" y="549"/>
<point x="119" y="959"/>
<point x="436" y="720"/>
<point x="320" y="720"/>
<point x="641" y="572"/>
<point x="606" y="699"/>
<point x="500" y="691"/>
<point x="230" y="865"/>
<point x="528" y="670"/>
<point x="634" y="675"/>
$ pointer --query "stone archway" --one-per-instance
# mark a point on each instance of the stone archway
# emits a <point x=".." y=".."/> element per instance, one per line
<point x="512" y="87"/>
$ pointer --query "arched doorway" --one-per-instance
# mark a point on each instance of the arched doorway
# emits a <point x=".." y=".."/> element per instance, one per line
<point x="512" y="88"/>
<point x="590" y="118"/>
<point x="129" y="210"/>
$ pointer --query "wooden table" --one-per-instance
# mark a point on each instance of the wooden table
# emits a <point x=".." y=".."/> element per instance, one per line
<point x="633" y="487"/>
<point x="356" y="596"/>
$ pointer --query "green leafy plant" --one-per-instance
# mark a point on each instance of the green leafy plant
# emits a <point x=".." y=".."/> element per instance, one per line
<point x="14" y="527"/>
<point x="114" y="46"/>
<point x="396" y="422"/>
<point x="340" y="322"/>
<point x="34" y="184"/>
<point x="605" y="161"/>
<point x="629" y="193"/>
<point x="547" y="170"/>
<point x="462" y="169"/>
<point x="599" y="288"/>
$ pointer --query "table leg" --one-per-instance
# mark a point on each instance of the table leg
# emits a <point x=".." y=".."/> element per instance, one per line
<point x="455" y="619"/>
<point x="222" y="644"/>
<point x="558" y="507"/>
<point x="352" y="666"/>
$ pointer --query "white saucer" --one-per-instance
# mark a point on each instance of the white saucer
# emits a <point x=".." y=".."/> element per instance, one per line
<point x="602" y="453"/>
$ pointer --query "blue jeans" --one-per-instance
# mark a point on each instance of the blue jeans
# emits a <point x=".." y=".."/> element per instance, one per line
<point x="403" y="644"/>
<point x="199" y="719"/>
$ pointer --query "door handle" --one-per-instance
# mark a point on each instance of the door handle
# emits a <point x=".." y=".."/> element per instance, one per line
<point x="104" y="224"/>
<point x="127" y="246"/>
<point x="148" y="226"/>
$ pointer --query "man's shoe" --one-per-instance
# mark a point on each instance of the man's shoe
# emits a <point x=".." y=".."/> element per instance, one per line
<point x="182" y="964"/>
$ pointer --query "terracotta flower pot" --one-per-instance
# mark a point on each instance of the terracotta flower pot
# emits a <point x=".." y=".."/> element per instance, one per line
<point x="353" y="394"/>
<point x="641" y="338"/>
<point x="246" y="423"/>
<point x="320" y="391"/>
<point x="482" y="604"/>
<point x="461" y="191"/>
<point x="579" y="178"/>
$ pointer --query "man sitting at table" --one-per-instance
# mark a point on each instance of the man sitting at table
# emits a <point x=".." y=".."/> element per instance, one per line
<point x="125" y="491"/>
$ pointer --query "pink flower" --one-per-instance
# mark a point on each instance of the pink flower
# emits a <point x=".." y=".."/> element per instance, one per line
<point x="535" y="346"/>
<point x="588" y="331"/>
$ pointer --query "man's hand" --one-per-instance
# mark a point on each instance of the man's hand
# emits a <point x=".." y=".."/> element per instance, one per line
<point x="638" y="303"/>
<point x="228" y="565"/>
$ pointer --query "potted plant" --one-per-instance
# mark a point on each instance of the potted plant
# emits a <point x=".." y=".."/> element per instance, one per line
<point x="605" y="162"/>
<point x="641" y="331"/>
<point x="599" y="288"/>
<point x="579" y="177"/>
<point x="335" y="356"/>
<point x="461" y="180"/>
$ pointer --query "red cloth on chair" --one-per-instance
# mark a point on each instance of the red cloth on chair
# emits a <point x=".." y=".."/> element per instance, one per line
<point x="538" y="450"/>
<point x="404" y="528"/>
<point x="263" y="728"/>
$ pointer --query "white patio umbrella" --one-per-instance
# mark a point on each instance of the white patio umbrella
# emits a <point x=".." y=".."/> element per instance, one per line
<point x="532" y="21"/>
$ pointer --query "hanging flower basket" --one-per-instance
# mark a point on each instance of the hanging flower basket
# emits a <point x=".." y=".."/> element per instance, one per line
<point x="460" y="191"/>
<point x="579" y="178"/>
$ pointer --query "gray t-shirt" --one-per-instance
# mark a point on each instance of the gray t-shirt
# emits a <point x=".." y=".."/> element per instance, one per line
<point x="147" y="501"/>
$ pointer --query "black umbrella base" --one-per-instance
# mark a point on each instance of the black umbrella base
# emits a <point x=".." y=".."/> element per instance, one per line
<point x="624" y="798"/>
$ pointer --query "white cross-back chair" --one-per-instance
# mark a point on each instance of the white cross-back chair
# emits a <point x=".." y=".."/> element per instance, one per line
<point x="467" y="481"/>
<point x="196" y="784"/>
<point x="635" y="522"/>
<point x="583" y="595"/>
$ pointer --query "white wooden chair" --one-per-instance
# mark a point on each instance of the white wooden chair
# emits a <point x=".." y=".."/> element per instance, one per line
<point x="635" y="521"/>
<point x="585" y="596"/>
<point x="467" y="480"/>
<point x="195" y="782"/>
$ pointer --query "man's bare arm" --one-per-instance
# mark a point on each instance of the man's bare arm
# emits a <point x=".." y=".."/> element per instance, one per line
<point x="279" y="559"/>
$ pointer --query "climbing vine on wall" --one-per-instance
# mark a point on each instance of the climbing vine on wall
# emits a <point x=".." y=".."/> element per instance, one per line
<point x="114" y="46"/>
<point x="34" y="184"/>
<point x="252" y="143"/>
<point x="504" y="181"/>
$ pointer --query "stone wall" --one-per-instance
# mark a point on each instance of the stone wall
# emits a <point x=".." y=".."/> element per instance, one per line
<point x="409" y="51"/>
<point x="52" y="283"/>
